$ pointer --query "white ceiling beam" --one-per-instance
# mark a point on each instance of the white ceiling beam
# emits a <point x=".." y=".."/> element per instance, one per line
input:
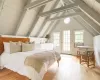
<point x="45" y="33"/>
<point x="87" y="28"/>
<point x="37" y="3"/>
<point x="62" y="2"/>
<point x="53" y="27"/>
<point x="92" y="14"/>
<point x="91" y="23"/>
<point x="36" y="19"/>
<point x="42" y="26"/>
<point x="64" y="16"/>
<point x="45" y="21"/>
<point x="49" y="26"/>
<point x="98" y="1"/>
<point x="21" y="19"/>
<point x="67" y="7"/>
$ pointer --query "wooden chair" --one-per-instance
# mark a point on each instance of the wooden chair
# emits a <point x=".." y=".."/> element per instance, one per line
<point x="88" y="58"/>
<point x="75" y="46"/>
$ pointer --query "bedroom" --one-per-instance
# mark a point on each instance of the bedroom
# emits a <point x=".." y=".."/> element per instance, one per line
<point x="64" y="26"/>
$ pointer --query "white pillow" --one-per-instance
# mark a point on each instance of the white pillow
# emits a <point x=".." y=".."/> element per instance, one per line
<point x="47" y="46"/>
<point x="38" y="46"/>
<point x="6" y="47"/>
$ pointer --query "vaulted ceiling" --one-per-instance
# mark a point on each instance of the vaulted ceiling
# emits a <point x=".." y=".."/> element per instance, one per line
<point x="37" y="18"/>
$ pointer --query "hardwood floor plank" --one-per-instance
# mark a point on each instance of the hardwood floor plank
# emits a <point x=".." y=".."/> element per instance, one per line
<point x="69" y="69"/>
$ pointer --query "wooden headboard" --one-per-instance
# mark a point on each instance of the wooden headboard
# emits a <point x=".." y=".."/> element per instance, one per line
<point x="8" y="39"/>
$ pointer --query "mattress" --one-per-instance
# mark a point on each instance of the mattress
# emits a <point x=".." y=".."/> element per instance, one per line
<point x="15" y="62"/>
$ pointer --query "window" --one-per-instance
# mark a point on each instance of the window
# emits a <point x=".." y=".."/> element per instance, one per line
<point x="79" y="36"/>
<point x="56" y="37"/>
<point x="66" y="40"/>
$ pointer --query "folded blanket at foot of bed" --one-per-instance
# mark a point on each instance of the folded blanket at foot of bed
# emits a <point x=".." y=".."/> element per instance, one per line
<point x="39" y="59"/>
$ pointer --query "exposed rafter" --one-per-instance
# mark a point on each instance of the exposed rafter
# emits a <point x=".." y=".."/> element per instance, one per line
<point x="36" y="19"/>
<point x="21" y="18"/>
<point x="92" y="24"/>
<point x="37" y="3"/>
<point x="45" y="21"/>
<point x="62" y="2"/>
<point x="92" y="14"/>
<point x="67" y="7"/>
<point x="43" y="24"/>
<point x="52" y="22"/>
<point x="45" y="33"/>
<point x="98" y="1"/>
<point x="85" y="27"/>
<point x="52" y="27"/>
<point x="18" y="26"/>
<point x="64" y="16"/>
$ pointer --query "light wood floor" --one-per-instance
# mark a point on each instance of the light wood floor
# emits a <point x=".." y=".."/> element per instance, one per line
<point x="69" y="69"/>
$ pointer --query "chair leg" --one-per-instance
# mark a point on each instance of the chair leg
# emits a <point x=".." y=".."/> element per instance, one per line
<point x="80" y="59"/>
<point x="88" y="61"/>
<point x="58" y="62"/>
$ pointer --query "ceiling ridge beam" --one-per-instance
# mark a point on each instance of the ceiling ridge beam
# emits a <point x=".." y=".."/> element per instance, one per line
<point x="85" y="27"/>
<point x="61" y="9"/>
<point x="37" y="3"/>
<point x="64" y="16"/>
<point x="36" y="19"/>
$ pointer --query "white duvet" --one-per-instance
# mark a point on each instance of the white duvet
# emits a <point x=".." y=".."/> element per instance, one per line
<point x="15" y="62"/>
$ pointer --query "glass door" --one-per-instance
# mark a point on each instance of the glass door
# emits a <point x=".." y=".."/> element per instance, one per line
<point x="66" y="42"/>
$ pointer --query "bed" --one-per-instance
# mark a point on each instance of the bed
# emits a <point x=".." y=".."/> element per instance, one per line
<point x="32" y="64"/>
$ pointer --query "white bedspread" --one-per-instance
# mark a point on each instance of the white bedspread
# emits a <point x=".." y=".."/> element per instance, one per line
<point x="15" y="62"/>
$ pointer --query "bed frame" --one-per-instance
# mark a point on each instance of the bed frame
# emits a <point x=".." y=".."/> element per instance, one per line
<point x="7" y="39"/>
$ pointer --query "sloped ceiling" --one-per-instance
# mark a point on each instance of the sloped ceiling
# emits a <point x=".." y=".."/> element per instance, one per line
<point x="37" y="18"/>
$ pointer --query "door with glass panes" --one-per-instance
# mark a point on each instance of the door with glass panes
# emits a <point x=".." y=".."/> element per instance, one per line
<point x="62" y="41"/>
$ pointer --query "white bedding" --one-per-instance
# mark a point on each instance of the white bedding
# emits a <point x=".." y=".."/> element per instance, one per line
<point x="15" y="62"/>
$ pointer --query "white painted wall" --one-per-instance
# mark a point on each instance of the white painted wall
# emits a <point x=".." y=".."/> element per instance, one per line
<point x="10" y="15"/>
<point x="72" y="26"/>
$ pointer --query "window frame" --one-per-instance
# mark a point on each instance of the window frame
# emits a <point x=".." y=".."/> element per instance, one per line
<point x="55" y="40"/>
<point x="81" y="39"/>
